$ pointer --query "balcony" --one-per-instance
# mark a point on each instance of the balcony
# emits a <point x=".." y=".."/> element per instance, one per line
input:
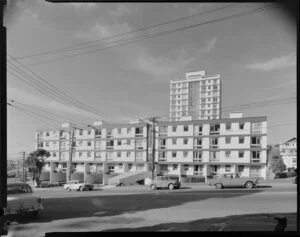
<point x="214" y="146"/>
<point x="109" y="135"/>
<point x="162" y="147"/>
<point x="198" y="173"/>
<point x="197" y="160"/>
<point x="139" y="160"/>
<point x="162" y="159"/>
<point x="256" y="160"/>
<point x="197" y="146"/>
<point x="139" y="135"/>
<point x="163" y="134"/>
<point x="214" y="131"/>
<point x="109" y="159"/>
<point x="214" y="159"/>
<point x="256" y="145"/>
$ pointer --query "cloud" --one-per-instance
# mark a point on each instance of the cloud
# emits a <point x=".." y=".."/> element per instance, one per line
<point x="98" y="31"/>
<point x="208" y="46"/>
<point x="86" y="6"/>
<point x="282" y="62"/>
<point x="121" y="10"/>
<point x="27" y="98"/>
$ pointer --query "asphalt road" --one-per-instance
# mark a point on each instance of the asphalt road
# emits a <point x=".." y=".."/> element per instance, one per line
<point x="139" y="207"/>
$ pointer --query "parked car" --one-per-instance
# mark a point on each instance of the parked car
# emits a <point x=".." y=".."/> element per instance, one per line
<point x="164" y="182"/>
<point x="78" y="185"/>
<point x="280" y="175"/>
<point x="20" y="199"/>
<point x="233" y="180"/>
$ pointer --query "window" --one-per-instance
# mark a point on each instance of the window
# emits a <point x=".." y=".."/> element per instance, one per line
<point x="119" y="130"/>
<point x="227" y="168"/>
<point x="47" y="144"/>
<point x="98" y="155"/>
<point x="214" y="142"/>
<point x="80" y="154"/>
<point x="228" y="126"/>
<point x="203" y="100"/>
<point x="89" y="132"/>
<point x="242" y="125"/>
<point x="118" y="154"/>
<point x="161" y="154"/>
<point x="47" y="134"/>
<point x="198" y="142"/>
<point x="186" y="128"/>
<point x="119" y="143"/>
<point x="228" y="140"/>
<point x="255" y="154"/>
<point x="185" y="141"/>
<point x="174" y="128"/>
<point x="241" y="168"/>
<point x="80" y="133"/>
<point x="128" y="153"/>
<point x="185" y="153"/>
<point x="227" y="154"/>
<point x="139" y="131"/>
<point x="89" y="154"/>
<point x="54" y="154"/>
<point x="241" y="154"/>
<point x="174" y="141"/>
<point x="89" y="143"/>
<point x="186" y="167"/>
<point x="214" y="128"/>
<point x="129" y="166"/>
<point x="175" y="167"/>
<point x="139" y="155"/>
<point x="128" y="130"/>
<point x="162" y="143"/>
<point x="197" y="154"/>
<point x="294" y="160"/>
<point x="241" y="140"/>
<point x="110" y="143"/>
<point x="128" y="142"/>
<point x="120" y="166"/>
<point x="255" y="140"/>
<point x="98" y="132"/>
<point x="174" y="153"/>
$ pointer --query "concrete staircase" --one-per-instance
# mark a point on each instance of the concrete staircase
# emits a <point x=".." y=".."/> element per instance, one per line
<point x="129" y="177"/>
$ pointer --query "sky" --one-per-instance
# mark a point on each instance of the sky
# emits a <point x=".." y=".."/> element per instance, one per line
<point x="254" y="54"/>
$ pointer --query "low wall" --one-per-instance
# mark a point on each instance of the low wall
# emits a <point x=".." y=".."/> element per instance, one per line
<point x="59" y="177"/>
<point x="94" y="178"/>
<point x="45" y="176"/>
<point x="77" y="176"/>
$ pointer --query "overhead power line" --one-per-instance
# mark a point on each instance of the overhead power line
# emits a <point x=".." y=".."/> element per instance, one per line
<point x="45" y="87"/>
<point x="163" y="33"/>
<point x="64" y="49"/>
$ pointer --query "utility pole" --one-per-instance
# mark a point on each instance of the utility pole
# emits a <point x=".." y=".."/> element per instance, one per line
<point x="69" y="166"/>
<point x="23" y="167"/>
<point x="153" y="119"/>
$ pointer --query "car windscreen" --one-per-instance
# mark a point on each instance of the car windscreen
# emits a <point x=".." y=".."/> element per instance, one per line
<point x="18" y="189"/>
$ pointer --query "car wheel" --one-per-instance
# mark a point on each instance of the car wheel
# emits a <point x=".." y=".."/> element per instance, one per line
<point x="219" y="186"/>
<point x="152" y="186"/>
<point x="249" y="185"/>
<point x="69" y="189"/>
<point x="121" y="184"/>
<point x="171" y="186"/>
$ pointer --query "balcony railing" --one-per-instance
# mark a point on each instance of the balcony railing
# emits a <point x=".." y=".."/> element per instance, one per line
<point x="109" y="147"/>
<point x="162" y="159"/>
<point x="163" y="134"/>
<point x="197" y="146"/>
<point x="197" y="159"/>
<point x="255" y="145"/>
<point x="139" y="160"/>
<point x="213" y="146"/>
<point x="214" y="159"/>
<point x="198" y="173"/>
<point x="139" y="134"/>
<point x="162" y="147"/>
<point x="256" y="160"/>
<point x="214" y="131"/>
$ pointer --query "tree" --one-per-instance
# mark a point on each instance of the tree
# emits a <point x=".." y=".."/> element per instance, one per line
<point x="276" y="164"/>
<point x="35" y="162"/>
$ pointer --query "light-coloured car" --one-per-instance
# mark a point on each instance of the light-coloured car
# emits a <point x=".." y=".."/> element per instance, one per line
<point x="20" y="199"/>
<point x="233" y="180"/>
<point x="164" y="182"/>
<point x="78" y="185"/>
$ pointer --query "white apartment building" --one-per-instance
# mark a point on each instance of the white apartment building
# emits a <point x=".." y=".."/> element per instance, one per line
<point x="192" y="148"/>
<point x="288" y="152"/>
<point x="210" y="147"/>
<point x="198" y="96"/>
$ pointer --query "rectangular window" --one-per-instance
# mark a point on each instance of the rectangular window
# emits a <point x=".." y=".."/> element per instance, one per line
<point x="109" y="144"/>
<point x="185" y="153"/>
<point x="294" y="160"/>
<point x="186" y="167"/>
<point x="89" y="143"/>
<point x="185" y="141"/>
<point x="241" y="140"/>
<point x="197" y="154"/>
<point x="98" y="132"/>
<point x="186" y="128"/>
<point x="174" y="154"/>
<point x="139" y="131"/>
<point x="97" y="154"/>
<point x="80" y="132"/>
<point x="214" y="128"/>
<point x="175" y="167"/>
<point x="118" y="154"/>
<point x="128" y="153"/>
<point x="228" y="126"/>
<point x="47" y="144"/>
<point x="255" y="140"/>
<point x="47" y="134"/>
<point x="241" y="168"/>
<point x="174" y="128"/>
<point x="89" y="154"/>
<point x="174" y="141"/>
<point x="80" y="154"/>
<point x="120" y="166"/>
<point x="255" y="154"/>
<point x="227" y="168"/>
<point x="241" y="154"/>
<point x="242" y="125"/>
<point x="161" y="154"/>
<point x="119" y="143"/>
<point x="228" y="140"/>
<point x="128" y="130"/>
<point x="139" y="155"/>
<point x="89" y="132"/>
<point x="54" y="154"/>
<point x="119" y="130"/>
<point x="227" y="154"/>
<point x="128" y="142"/>
<point x="129" y="166"/>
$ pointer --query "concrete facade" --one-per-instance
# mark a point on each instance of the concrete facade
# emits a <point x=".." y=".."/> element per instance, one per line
<point x="198" y="97"/>
<point x="288" y="152"/>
